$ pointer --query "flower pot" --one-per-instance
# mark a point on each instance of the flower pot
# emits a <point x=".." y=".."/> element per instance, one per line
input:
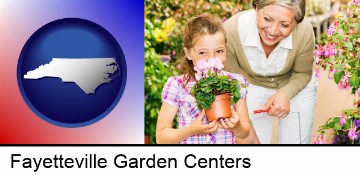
<point x="220" y="108"/>
<point x="146" y="139"/>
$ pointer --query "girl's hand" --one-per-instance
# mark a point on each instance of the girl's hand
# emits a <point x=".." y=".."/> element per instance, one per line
<point x="230" y="123"/>
<point x="280" y="105"/>
<point x="199" y="128"/>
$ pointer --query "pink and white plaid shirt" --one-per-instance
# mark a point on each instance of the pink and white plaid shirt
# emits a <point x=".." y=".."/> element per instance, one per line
<point x="174" y="94"/>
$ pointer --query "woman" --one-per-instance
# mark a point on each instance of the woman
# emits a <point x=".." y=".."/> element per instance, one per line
<point x="272" y="46"/>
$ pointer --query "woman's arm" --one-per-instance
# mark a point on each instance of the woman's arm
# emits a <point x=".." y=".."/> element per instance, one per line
<point x="166" y="134"/>
<point x="301" y="73"/>
<point x="303" y="64"/>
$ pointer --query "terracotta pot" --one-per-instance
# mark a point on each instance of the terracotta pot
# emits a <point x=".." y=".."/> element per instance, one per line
<point x="146" y="139"/>
<point x="220" y="108"/>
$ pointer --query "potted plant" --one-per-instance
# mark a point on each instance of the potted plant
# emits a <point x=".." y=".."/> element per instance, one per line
<point x="340" y="55"/>
<point x="214" y="91"/>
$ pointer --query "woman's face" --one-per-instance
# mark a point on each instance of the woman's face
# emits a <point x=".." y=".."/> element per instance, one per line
<point x="207" y="46"/>
<point x="275" y="23"/>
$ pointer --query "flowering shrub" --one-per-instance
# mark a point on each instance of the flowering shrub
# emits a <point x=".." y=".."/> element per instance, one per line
<point x="339" y="54"/>
<point x="211" y="81"/>
<point x="169" y="16"/>
<point x="346" y="128"/>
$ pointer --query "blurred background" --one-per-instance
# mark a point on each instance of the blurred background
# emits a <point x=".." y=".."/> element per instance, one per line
<point x="164" y="20"/>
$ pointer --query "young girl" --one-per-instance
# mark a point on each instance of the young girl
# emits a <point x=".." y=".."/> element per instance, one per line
<point x="204" y="38"/>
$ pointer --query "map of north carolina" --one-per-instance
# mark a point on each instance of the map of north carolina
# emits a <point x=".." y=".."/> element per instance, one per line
<point x="87" y="73"/>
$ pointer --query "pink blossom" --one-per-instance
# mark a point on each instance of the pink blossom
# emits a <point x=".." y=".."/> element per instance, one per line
<point x="344" y="82"/>
<point x="342" y="119"/>
<point x="320" y="139"/>
<point x="317" y="73"/>
<point x="317" y="60"/>
<point x="201" y="69"/>
<point x="358" y="91"/>
<point x="330" y="50"/>
<point x="211" y="63"/>
<point x="165" y="57"/>
<point x="218" y="64"/>
<point x="356" y="2"/>
<point x="352" y="133"/>
<point x="198" y="76"/>
<point x="331" y="73"/>
<point x="331" y="30"/>
<point x="319" y="51"/>
<point x="351" y="31"/>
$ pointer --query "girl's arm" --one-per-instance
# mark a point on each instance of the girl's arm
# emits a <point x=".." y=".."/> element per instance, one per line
<point x="243" y="128"/>
<point x="166" y="134"/>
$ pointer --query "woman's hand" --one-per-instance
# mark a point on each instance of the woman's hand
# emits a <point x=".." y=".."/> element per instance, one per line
<point x="279" y="104"/>
<point x="230" y="123"/>
<point x="197" y="127"/>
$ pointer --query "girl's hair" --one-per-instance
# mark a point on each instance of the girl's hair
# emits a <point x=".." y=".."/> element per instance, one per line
<point x="196" y="27"/>
<point x="297" y="5"/>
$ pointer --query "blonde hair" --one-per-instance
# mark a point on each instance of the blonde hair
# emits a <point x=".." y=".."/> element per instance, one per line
<point x="297" y="5"/>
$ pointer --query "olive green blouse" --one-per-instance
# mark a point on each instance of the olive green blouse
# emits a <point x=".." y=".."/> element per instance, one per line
<point x="297" y="70"/>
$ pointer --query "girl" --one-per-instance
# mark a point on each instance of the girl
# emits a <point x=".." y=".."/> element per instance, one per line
<point x="204" y="38"/>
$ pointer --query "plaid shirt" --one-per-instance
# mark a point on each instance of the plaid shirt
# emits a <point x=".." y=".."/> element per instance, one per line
<point x="174" y="94"/>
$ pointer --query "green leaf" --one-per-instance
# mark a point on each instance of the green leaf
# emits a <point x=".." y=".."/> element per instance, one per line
<point x="357" y="26"/>
<point x="339" y="67"/>
<point x="331" y="124"/>
<point x="337" y="126"/>
<point x="243" y="85"/>
<point x="354" y="81"/>
<point x="338" y="76"/>
<point x="325" y="127"/>
<point x="349" y="45"/>
<point x="346" y="126"/>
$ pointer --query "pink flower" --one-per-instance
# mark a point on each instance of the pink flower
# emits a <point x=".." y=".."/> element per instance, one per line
<point x="317" y="73"/>
<point x="342" y="119"/>
<point x="320" y="139"/>
<point x="165" y="57"/>
<point x="319" y="51"/>
<point x="331" y="73"/>
<point x="358" y="91"/>
<point x="317" y="60"/>
<point x="218" y="64"/>
<point x="344" y="82"/>
<point x="356" y="2"/>
<point x="330" y="50"/>
<point x="211" y="63"/>
<point x="201" y="69"/>
<point x="331" y="30"/>
<point x="352" y="133"/>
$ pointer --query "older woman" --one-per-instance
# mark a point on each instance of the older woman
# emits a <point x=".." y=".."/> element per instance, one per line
<point x="272" y="46"/>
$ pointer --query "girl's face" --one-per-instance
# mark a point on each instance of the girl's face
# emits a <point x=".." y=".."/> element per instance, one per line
<point x="274" y="23"/>
<point x="207" y="46"/>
